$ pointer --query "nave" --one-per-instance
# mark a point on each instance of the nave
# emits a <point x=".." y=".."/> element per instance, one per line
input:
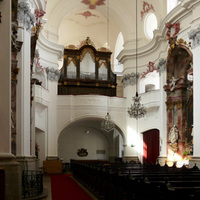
<point x="49" y="187"/>
<point x="123" y="181"/>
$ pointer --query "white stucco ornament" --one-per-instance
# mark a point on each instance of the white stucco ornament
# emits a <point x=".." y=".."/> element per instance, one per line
<point x="194" y="35"/>
<point x="161" y="64"/>
<point x="129" y="79"/>
<point x="52" y="74"/>
<point x="25" y="16"/>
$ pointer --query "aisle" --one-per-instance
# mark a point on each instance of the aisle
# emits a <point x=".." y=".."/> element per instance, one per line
<point x="64" y="187"/>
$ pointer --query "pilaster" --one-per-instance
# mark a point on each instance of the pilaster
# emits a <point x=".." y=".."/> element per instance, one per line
<point x="163" y="114"/>
<point x="194" y="35"/>
<point x="10" y="166"/>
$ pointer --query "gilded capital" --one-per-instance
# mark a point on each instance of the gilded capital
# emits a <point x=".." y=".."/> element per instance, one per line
<point x="170" y="105"/>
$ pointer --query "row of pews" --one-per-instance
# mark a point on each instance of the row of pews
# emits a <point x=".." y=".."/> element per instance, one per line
<point x="126" y="181"/>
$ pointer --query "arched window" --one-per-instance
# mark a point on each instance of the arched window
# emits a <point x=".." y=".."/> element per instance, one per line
<point x="171" y="4"/>
<point x="150" y="24"/>
<point x="118" y="67"/>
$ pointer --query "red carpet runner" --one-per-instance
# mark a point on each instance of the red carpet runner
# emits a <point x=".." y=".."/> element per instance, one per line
<point x="64" y="187"/>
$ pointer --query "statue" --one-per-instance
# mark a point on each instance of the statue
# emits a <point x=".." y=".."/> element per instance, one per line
<point x="173" y="83"/>
<point x="173" y="138"/>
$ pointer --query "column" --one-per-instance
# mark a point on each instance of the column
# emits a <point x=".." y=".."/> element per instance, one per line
<point x="194" y="35"/>
<point x="25" y="143"/>
<point x="132" y="145"/>
<point x="7" y="162"/>
<point x="52" y="76"/>
<point x="163" y="114"/>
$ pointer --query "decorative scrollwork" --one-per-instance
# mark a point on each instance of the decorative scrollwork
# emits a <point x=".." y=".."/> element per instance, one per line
<point x="129" y="79"/>
<point x="25" y="16"/>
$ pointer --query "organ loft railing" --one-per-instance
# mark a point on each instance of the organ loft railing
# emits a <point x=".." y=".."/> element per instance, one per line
<point x="87" y="71"/>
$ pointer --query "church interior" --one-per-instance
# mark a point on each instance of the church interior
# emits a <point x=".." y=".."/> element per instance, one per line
<point x="87" y="84"/>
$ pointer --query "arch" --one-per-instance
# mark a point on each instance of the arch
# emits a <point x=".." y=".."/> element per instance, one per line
<point x="92" y="118"/>
<point x="151" y="79"/>
<point x="179" y="54"/>
<point x="86" y="133"/>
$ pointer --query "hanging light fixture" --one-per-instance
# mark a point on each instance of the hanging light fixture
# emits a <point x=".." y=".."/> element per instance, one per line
<point x="107" y="124"/>
<point x="137" y="110"/>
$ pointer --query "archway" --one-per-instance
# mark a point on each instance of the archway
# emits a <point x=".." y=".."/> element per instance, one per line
<point x="150" y="146"/>
<point x="86" y="135"/>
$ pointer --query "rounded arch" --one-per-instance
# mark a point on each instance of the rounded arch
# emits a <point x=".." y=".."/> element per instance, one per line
<point x="92" y="119"/>
<point x="86" y="133"/>
<point x="177" y="55"/>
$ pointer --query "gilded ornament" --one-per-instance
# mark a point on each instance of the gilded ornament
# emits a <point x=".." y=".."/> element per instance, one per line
<point x="180" y="104"/>
<point x="170" y="105"/>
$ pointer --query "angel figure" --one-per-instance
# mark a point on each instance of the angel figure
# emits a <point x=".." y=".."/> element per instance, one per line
<point x="173" y="83"/>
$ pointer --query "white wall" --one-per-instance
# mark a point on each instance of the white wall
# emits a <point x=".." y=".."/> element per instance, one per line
<point x="75" y="138"/>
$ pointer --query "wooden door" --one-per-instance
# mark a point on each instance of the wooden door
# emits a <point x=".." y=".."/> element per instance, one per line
<point x="150" y="146"/>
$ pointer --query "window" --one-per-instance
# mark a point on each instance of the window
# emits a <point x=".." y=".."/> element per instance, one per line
<point x="150" y="24"/>
<point x="171" y="4"/>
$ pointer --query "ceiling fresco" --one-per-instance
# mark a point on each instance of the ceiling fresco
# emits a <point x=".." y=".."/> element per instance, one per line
<point x="93" y="3"/>
<point x="87" y="14"/>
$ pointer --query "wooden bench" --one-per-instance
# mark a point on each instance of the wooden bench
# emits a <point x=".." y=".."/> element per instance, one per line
<point x="2" y="184"/>
<point x="135" y="181"/>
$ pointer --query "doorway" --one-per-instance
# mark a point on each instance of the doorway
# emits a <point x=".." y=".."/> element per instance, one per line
<point x="150" y="146"/>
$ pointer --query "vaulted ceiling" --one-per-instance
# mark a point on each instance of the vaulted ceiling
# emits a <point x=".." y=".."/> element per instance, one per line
<point x="71" y="21"/>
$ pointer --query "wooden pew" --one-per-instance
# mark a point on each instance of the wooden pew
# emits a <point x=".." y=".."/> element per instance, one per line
<point x="132" y="181"/>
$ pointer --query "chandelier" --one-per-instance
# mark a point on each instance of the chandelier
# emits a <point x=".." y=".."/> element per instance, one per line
<point x="137" y="110"/>
<point x="107" y="124"/>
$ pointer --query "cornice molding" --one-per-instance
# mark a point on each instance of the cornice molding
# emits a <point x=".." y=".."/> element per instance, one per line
<point x="175" y="15"/>
<point x="50" y="46"/>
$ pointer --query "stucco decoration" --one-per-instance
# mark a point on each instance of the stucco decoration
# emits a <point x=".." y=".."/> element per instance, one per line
<point x="175" y="26"/>
<point x="194" y="35"/>
<point x="129" y="79"/>
<point x="25" y="16"/>
<point x="87" y="14"/>
<point x="38" y="67"/>
<point x="52" y="74"/>
<point x="161" y="66"/>
<point x="93" y="3"/>
<point x="146" y="8"/>
<point x="38" y="15"/>
<point x="151" y="67"/>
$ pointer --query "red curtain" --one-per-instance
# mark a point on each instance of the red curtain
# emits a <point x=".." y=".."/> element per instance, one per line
<point x="150" y="146"/>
